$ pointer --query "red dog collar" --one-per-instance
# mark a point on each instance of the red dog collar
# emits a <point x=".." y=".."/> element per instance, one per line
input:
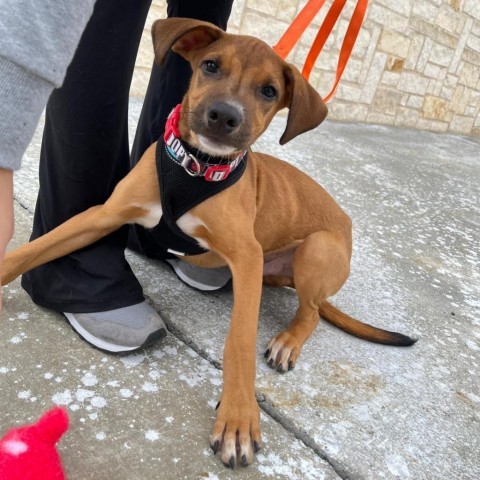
<point x="194" y="166"/>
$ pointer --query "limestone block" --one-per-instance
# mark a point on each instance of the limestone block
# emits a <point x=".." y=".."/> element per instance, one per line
<point x="415" y="101"/>
<point x="431" y="70"/>
<point x="448" y="19"/>
<point x="469" y="75"/>
<point x="461" y="124"/>
<point x="347" y="112"/>
<point x="236" y="17"/>
<point x="352" y="70"/>
<point x="446" y="93"/>
<point x="390" y="79"/>
<point x="404" y="7"/>
<point x="387" y="101"/>
<point x="348" y="92"/>
<point x="424" y="54"/>
<point x="471" y="7"/>
<point x="434" y="108"/>
<point x="286" y="10"/>
<point x="384" y="16"/>
<point x="268" y="8"/>
<point x="373" y="77"/>
<point x="269" y="31"/>
<point x="381" y="118"/>
<point x="470" y="111"/>
<point x="413" y="83"/>
<point x="416" y="47"/>
<point x="473" y="41"/>
<point x="425" y="9"/>
<point x="440" y="54"/>
<point x="406" y="117"/>
<point x="394" y="43"/>
<point x="395" y="64"/>
<point x="432" y="125"/>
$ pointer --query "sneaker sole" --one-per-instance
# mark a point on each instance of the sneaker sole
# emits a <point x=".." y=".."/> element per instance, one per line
<point x="112" y="347"/>
<point x="193" y="283"/>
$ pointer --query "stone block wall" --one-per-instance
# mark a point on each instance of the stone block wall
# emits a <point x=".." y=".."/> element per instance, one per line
<point x="416" y="63"/>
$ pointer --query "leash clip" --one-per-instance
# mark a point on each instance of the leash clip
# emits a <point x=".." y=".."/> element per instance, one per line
<point x="195" y="169"/>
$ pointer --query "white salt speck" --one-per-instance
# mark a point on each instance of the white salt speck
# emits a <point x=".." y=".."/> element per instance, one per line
<point x="82" y="394"/>
<point x="126" y="393"/>
<point x="98" y="402"/>
<point x="101" y="436"/>
<point x="169" y="419"/>
<point x="93" y="416"/>
<point x="4" y="370"/>
<point x="154" y="374"/>
<point x="170" y="350"/>
<point x="158" y="354"/>
<point x="58" y="379"/>
<point x="176" y="460"/>
<point x="48" y="376"/>
<point x="22" y="316"/>
<point x="74" y="407"/>
<point x="152" y="435"/>
<point x="62" y="398"/>
<point x="25" y="394"/>
<point x="150" y="387"/>
<point x="113" y="383"/>
<point x="89" y="379"/>
<point x="133" y="360"/>
<point x="472" y="345"/>
<point x="16" y="339"/>
<point x="397" y="465"/>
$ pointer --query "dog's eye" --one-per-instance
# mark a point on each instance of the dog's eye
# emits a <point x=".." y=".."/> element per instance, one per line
<point x="269" y="92"/>
<point x="209" y="66"/>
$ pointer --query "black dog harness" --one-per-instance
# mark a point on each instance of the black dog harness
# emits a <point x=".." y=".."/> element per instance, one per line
<point x="186" y="180"/>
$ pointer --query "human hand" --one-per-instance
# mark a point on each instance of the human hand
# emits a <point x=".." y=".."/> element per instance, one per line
<point x="6" y="216"/>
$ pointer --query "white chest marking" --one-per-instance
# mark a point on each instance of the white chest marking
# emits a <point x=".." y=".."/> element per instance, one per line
<point x="152" y="218"/>
<point x="187" y="223"/>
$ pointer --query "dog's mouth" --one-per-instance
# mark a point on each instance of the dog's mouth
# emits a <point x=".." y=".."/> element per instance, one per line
<point x="214" y="147"/>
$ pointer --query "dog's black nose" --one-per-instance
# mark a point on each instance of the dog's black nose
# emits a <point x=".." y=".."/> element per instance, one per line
<point x="223" y="118"/>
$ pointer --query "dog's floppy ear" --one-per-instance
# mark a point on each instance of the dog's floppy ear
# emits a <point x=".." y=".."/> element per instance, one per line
<point x="182" y="35"/>
<point x="306" y="108"/>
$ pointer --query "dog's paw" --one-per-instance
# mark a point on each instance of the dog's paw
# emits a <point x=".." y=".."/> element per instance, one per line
<point x="282" y="352"/>
<point x="236" y="433"/>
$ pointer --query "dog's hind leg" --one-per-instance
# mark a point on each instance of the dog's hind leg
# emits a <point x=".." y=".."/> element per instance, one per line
<point x="321" y="265"/>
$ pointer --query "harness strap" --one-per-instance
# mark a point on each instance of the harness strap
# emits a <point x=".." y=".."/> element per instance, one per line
<point x="305" y="17"/>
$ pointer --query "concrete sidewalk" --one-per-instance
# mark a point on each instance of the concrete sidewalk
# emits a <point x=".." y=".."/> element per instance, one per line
<point x="350" y="409"/>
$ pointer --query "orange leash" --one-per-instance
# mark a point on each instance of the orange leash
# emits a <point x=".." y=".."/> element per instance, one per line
<point x="303" y="20"/>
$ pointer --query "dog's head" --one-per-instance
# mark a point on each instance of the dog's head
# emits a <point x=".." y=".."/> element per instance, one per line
<point x="238" y="84"/>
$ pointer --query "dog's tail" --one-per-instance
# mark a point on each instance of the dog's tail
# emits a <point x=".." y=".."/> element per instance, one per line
<point x="350" y="325"/>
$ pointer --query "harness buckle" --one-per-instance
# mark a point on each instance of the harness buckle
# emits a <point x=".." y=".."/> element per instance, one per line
<point x="217" y="173"/>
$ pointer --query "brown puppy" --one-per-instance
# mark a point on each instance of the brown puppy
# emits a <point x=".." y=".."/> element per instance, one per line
<point x="274" y="223"/>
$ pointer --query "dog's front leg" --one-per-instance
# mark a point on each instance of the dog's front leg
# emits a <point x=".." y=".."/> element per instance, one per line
<point x="236" y="432"/>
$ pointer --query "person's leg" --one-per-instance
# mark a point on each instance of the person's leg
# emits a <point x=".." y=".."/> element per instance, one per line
<point x="166" y="88"/>
<point x="84" y="154"/>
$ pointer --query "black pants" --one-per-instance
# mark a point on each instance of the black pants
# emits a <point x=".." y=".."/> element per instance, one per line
<point x="85" y="150"/>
